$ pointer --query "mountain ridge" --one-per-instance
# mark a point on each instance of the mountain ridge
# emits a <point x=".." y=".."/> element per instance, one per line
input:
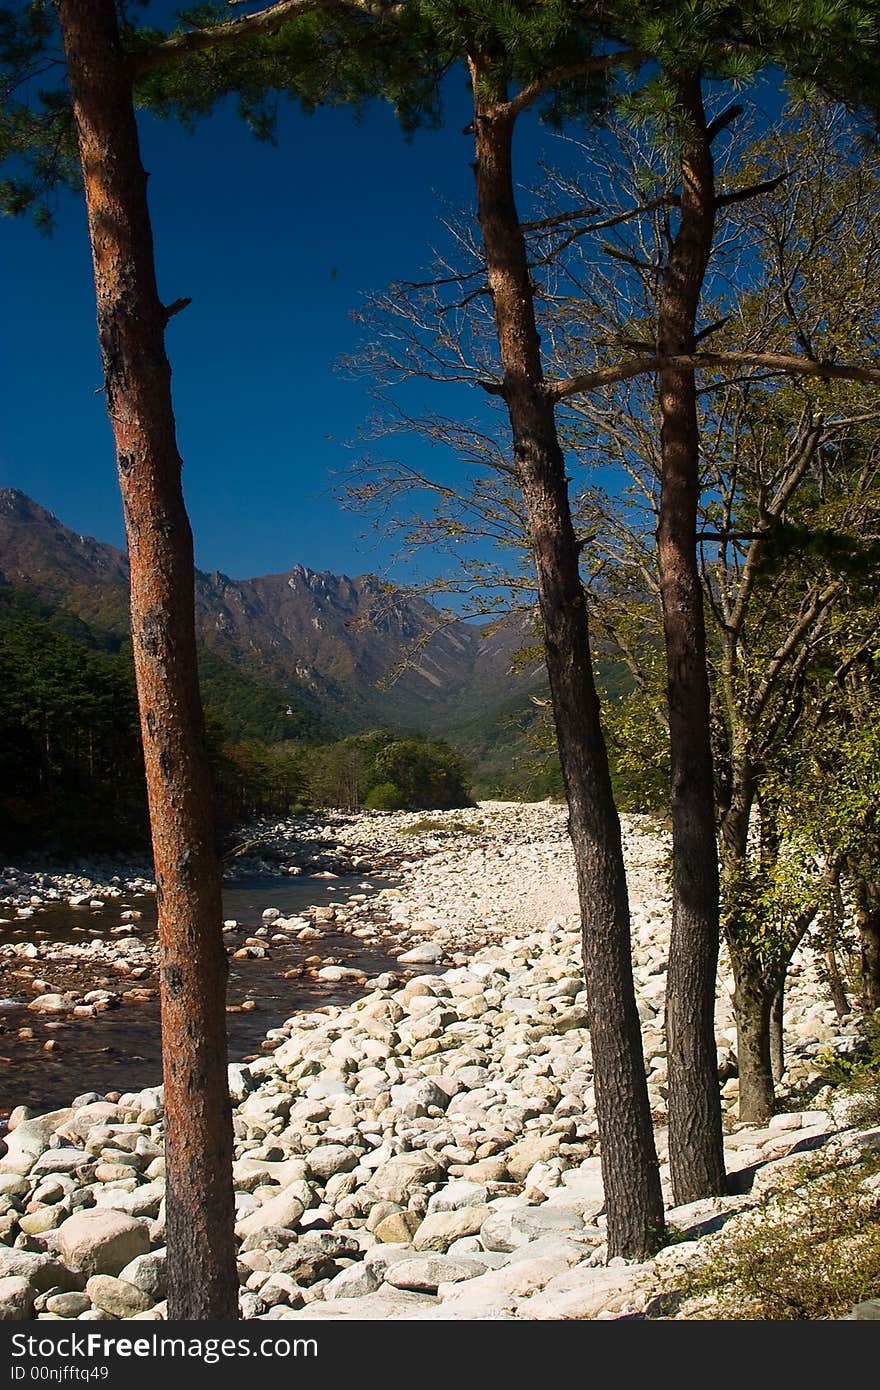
<point x="354" y="649"/>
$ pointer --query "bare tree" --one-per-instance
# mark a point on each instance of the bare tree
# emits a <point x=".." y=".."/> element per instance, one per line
<point x="775" y="607"/>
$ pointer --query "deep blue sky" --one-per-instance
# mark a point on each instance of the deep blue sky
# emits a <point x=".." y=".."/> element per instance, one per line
<point x="276" y="245"/>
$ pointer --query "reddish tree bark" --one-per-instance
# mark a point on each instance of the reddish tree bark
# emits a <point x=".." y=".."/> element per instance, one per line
<point x="629" y="1163"/>
<point x="696" y="1151"/>
<point x="202" y="1279"/>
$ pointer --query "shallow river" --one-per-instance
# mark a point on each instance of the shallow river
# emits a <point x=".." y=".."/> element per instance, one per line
<point x="120" y="1048"/>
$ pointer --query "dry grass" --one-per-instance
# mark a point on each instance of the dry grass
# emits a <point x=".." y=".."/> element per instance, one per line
<point x="811" y="1251"/>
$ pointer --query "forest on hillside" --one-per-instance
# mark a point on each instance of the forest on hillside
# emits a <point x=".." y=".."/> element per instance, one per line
<point x="658" y="345"/>
<point x="71" y="760"/>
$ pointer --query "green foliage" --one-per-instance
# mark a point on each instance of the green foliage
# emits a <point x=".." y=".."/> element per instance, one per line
<point x="638" y="743"/>
<point x="254" y="779"/>
<point x="250" y="707"/>
<point x="764" y="900"/>
<point x="70" y="775"/>
<point x="385" y="796"/>
<point x="857" y="1073"/>
<point x="71" y="765"/>
<point x="384" y="772"/>
<point x="812" y="1251"/>
<point x="424" y="774"/>
<point x="37" y="139"/>
<point x="442" y="829"/>
<point x="402" y="53"/>
<point x="510" y="749"/>
<point x="835" y="783"/>
<point x="327" y="57"/>
<point x="341" y="773"/>
<point x="258" y="779"/>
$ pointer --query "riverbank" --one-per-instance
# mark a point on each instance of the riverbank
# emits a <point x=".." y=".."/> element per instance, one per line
<point x="307" y="846"/>
<point x="78" y="979"/>
<point x="429" y="1149"/>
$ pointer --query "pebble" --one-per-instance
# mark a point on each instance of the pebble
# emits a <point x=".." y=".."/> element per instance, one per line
<point x="116" y="1296"/>
<point x="428" y="1149"/>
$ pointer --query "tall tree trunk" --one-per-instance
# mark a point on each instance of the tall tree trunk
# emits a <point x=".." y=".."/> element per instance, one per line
<point x="753" y="1001"/>
<point x="835" y="984"/>
<point x="696" y="1151"/>
<point x="777" y="1035"/>
<point x="202" y="1276"/>
<point x="868" y="919"/>
<point x="629" y="1162"/>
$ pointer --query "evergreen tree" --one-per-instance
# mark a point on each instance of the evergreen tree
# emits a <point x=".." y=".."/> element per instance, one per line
<point x="566" y="51"/>
<point x="202" y="1276"/>
<point x="70" y="774"/>
<point x="104" y="56"/>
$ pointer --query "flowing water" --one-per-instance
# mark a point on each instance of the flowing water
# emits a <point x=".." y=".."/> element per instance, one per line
<point x="120" y="1049"/>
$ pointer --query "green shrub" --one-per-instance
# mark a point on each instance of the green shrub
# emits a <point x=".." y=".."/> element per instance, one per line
<point x="385" y="796"/>
<point x="811" y="1251"/>
<point x="357" y="771"/>
<point x="428" y="775"/>
<point x="439" y="827"/>
<point x="859" y="1073"/>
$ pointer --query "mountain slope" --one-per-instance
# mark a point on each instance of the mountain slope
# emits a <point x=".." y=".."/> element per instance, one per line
<point x="328" y="643"/>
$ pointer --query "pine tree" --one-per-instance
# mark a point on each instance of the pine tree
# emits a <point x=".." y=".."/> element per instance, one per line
<point x="556" y="52"/>
<point x="202" y="1275"/>
<point x="559" y="54"/>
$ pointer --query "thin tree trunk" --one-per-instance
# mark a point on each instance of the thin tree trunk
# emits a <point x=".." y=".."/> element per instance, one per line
<point x="868" y="918"/>
<point x="777" y="1040"/>
<point x="202" y="1275"/>
<point x="835" y="984"/>
<point x="629" y="1162"/>
<point x="753" y="1001"/>
<point x="696" y="1149"/>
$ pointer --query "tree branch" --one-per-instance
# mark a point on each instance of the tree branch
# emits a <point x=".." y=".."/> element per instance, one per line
<point x="560" y="219"/>
<point x="558" y="76"/>
<point x="711" y="328"/>
<point x="177" y="307"/>
<point x="754" y="190"/>
<point x="775" y="361"/>
<point x="810" y="614"/>
<point x="235" y="31"/>
<point x="723" y="120"/>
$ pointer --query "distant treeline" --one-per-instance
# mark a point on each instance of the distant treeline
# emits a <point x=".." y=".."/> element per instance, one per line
<point x="379" y="771"/>
<point x="511" y="748"/>
<point x="71" y="775"/>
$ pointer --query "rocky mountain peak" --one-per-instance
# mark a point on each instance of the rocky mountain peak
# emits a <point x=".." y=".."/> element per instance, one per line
<point x="367" y="654"/>
<point x="20" y="507"/>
